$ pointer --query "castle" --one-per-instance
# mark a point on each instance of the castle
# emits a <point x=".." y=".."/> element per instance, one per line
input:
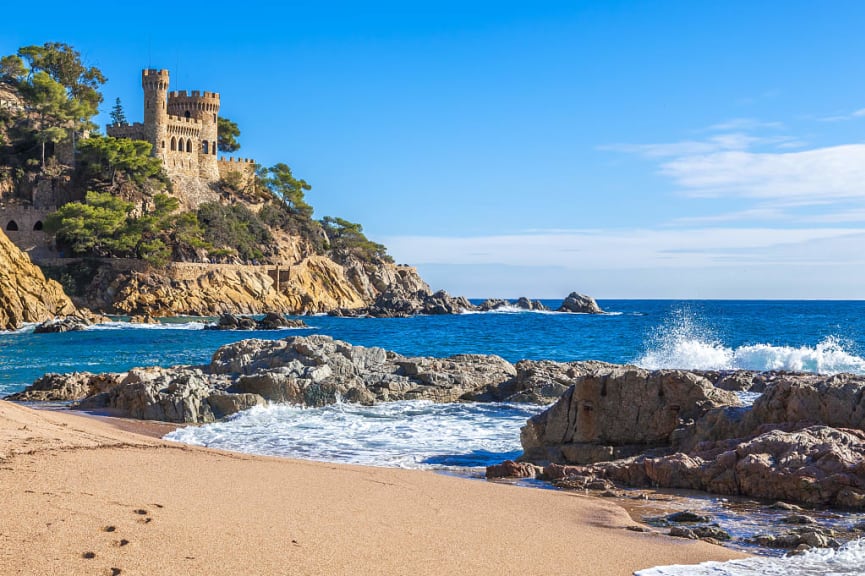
<point x="182" y="128"/>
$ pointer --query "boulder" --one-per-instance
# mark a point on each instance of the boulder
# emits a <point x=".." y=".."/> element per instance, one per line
<point x="618" y="412"/>
<point x="580" y="303"/>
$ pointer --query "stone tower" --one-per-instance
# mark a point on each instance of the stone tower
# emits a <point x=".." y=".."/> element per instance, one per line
<point x="202" y="107"/>
<point x="155" y="85"/>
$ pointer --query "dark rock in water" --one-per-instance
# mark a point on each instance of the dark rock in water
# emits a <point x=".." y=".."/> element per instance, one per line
<point x="811" y="536"/>
<point x="687" y="516"/>
<point x="62" y="324"/>
<point x="493" y="304"/>
<point x="398" y="303"/>
<point x="580" y="303"/>
<point x="522" y="303"/>
<point x="271" y="321"/>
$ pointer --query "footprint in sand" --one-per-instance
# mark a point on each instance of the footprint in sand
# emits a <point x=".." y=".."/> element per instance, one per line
<point x="121" y="543"/>
<point x="89" y="555"/>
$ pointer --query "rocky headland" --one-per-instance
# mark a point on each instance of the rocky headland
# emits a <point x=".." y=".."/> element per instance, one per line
<point x="25" y="294"/>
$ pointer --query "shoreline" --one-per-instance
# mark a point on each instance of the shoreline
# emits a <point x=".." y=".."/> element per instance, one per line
<point x="84" y="494"/>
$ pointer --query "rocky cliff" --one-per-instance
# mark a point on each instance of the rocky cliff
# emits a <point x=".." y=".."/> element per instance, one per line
<point x="314" y="284"/>
<point x="25" y="294"/>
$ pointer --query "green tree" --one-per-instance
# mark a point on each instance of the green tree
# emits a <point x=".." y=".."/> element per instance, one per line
<point x="118" y="117"/>
<point x="95" y="226"/>
<point x="279" y="180"/>
<point x="63" y="64"/>
<point x="227" y="134"/>
<point x="12" y="70"/>
<point x="349" y="237"/>
<point x="103" y="158"/>
<point x="50" y="110"/>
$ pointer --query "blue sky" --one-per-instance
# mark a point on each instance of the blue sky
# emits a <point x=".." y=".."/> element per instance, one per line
<point x="663" y="149"/>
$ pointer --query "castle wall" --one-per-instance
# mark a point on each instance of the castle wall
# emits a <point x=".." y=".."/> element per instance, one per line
<point x="24" y="224"/>
<point x="132" y="131"/>
<point x="243" y="166"/>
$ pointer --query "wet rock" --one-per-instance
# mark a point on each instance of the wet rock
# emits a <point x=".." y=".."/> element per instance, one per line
<point x="580" y="303"/>
<point x="798" y="519"/>
<point x="524" y="303"/>
<point x="511" y="469"/>
<point x="784" y="506"/>
<point x="493" y="304"/>
<point x="62" y="324"/>
<point x="687" y="516"/>
<point x="270" y="321"/>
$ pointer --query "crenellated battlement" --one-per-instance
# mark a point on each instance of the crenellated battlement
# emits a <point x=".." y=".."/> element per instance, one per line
<point x="197" y="94"/>
<point x="233" y="160"/>
<point x="183" y="119"/>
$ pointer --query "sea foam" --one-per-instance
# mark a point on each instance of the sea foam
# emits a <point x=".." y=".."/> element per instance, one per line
<point x="847" y="560"/>
<point x="407" y="434"/>
<point x="683" y="342"/>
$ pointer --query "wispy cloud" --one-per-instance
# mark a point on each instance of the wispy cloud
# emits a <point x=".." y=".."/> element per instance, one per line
<point x="748" y="124"/>
<point x="860" y="113"/>
<point x="626" y="249"/>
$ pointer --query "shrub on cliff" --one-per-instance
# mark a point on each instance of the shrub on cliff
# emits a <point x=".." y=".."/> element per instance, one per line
<point x="348" y="238"/>
<point x="235" y="230"/>
<point x="104" y="226"/>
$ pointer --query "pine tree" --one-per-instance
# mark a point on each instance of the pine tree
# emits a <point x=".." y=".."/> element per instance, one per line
<point x="118" y="117"/>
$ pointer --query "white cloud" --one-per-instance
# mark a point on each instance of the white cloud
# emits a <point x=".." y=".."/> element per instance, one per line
<point x="737" y="124"/>
<point x="630" y="249"/>
<point x="810" y="177"/>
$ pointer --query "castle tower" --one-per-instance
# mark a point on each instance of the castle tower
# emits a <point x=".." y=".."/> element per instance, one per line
<point x="155" y="85"/>
<point x="204" y="108"/>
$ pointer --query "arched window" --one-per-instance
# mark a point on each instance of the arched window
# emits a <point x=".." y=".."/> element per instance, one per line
<point x="204" y="147"/>
<point x="38" y="225"/>
<point x="180" y="144"/>
<point x="12" y="226"/>
<point x="163" y="144"/>
<point x="186" y="114"/>
<point x="173" y="144"/>
<point x="189" y="146"/>
<point x="213" y="149"/>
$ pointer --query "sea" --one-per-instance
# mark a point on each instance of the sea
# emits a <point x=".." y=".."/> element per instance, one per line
<point x="824" y="337"/>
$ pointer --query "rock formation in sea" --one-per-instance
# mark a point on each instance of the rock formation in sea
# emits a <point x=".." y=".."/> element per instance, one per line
<point x="803" y="440"/>
<point x="580" y="303"/>
<point x="25" y="294"/>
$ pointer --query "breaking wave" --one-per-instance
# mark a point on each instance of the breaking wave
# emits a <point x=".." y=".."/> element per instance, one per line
<point x="682" y="342"/>
<point x="847" y="560"/>
<point x="407" y="434"/>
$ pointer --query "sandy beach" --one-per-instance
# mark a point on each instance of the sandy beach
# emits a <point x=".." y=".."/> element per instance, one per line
<point x="81" y="495"/>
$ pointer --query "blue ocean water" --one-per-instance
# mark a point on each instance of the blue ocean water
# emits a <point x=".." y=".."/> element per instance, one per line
<point x="818" y="336"/>
<point x="814" y="336"/>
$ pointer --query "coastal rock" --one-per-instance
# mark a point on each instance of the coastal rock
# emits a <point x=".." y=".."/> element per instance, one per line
<point x="62" y="324"/>
<point x="310" y="371"/>
<point x="25" y="294"/>
<point x="66" y="387"/>
<point x="271" y="321"/>
<point x="617" y="413"/>
<point x="522" y="303"/>
<point x="580" y="303"/>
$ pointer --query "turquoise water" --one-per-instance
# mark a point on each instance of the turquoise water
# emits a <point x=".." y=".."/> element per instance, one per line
<point x="812" y="336"/>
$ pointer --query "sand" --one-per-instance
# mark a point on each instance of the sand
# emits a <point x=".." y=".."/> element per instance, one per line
<point x="79" y="495"/>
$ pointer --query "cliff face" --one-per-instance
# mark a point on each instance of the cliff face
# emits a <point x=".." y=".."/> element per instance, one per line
<point x="315" y="284"/>
<point x="25" y="294"/>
